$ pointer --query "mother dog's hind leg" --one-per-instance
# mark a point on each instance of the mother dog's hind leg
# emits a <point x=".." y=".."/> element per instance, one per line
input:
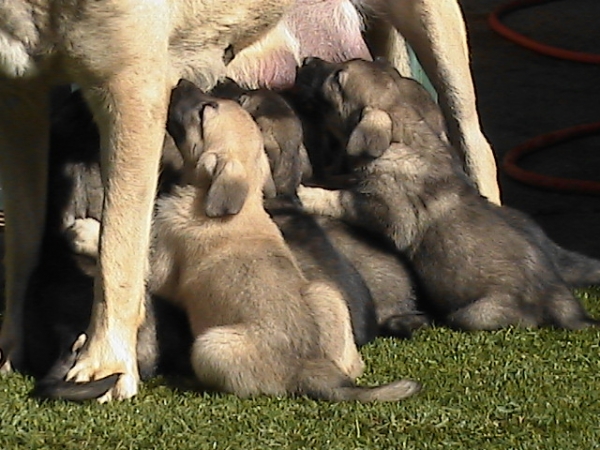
<point x="435" y="29"/>
<point x="130" y="109"/>
<point x="24" y="128"/>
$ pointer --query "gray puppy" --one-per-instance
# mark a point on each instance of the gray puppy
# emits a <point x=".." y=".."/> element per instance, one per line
<point x="381" y="295"/>
<point x="387" y="274"/>
<point x="480" y="266"/>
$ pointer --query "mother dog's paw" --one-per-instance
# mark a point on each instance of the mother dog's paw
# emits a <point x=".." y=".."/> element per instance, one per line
<point x="125" y="387"/>
<point x="100" y="361"/>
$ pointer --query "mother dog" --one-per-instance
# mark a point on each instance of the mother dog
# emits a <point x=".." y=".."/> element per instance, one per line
<point x="126" y="55"/>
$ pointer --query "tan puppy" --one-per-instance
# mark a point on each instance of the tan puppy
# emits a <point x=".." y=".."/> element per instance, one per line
<point x="260" y="326"/>
<point x="126" y="55"/>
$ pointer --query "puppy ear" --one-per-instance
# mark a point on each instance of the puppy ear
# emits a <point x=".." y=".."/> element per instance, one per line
<point x="228" y="189"/>
<point x="372" y="135"/>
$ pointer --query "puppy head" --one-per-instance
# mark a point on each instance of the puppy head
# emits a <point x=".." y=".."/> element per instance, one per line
<point x="347" y="88"/>
<point x="221" y="147"/>
<point x="228" y="88"/>
<point x="189" y="108"/>
<point x="283" y="137"/>
<point x="356" y="96"/>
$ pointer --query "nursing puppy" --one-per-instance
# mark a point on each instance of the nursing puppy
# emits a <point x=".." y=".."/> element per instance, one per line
<point x="381" y="295"/>
<point x="477" y="268"/>
<point x="260" y="326"/>
<point x="279" y="125"/>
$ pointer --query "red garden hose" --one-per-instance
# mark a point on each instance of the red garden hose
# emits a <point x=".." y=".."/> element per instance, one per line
<point x="512" y="157"/>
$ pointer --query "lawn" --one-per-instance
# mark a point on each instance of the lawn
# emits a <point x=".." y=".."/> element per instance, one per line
<point x="510" y="389"/>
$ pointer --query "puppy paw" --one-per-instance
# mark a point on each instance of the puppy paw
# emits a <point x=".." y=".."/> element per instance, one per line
<point x="319" y="201"/>
<point x="354" y="367"/>
<point x="83" y="236"/>
<point x="308" y="197"/>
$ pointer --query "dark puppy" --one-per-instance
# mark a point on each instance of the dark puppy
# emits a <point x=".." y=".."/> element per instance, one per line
<point x="388" y="275"/>
<point x="477" y="269"/>
<point x="316" y="241"/>
<point x="319" y="260"/>
<point x="325" y="139"/>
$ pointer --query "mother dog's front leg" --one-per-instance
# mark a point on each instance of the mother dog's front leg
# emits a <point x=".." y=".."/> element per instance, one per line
<point x="435" y="29"/>
<point x="131" y="112"/>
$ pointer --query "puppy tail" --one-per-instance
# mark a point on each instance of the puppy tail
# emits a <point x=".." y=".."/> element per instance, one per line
<point x="565" y="311"/>
<point x="576" y="269"/>
<point x="52" y="389"/>
<point x="324" y="381"/>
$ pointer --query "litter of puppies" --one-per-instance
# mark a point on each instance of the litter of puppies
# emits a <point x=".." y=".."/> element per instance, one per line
<point x="271" y="269"/>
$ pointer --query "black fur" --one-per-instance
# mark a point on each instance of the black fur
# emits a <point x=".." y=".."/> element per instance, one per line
<point x="319" y="260"/>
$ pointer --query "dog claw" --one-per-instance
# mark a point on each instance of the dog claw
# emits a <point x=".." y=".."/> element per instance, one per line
<point x="5" y="366"/>
<point x="7" y="361"/>
<point x="78" y="392"/>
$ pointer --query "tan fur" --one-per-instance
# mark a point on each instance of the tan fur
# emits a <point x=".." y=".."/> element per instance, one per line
<point x="126" y="55"/>
<point x="241" y="322"/>
<point x="260" y="327"/>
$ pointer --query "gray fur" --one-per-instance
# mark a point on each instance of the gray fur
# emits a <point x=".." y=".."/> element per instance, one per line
<point x="477" y="269"/>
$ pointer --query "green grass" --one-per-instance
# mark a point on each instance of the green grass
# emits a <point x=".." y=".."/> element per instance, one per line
<point x="510" y="389"/>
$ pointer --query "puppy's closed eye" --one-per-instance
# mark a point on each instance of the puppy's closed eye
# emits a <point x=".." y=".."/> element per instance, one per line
<point x="372" y="135"/>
